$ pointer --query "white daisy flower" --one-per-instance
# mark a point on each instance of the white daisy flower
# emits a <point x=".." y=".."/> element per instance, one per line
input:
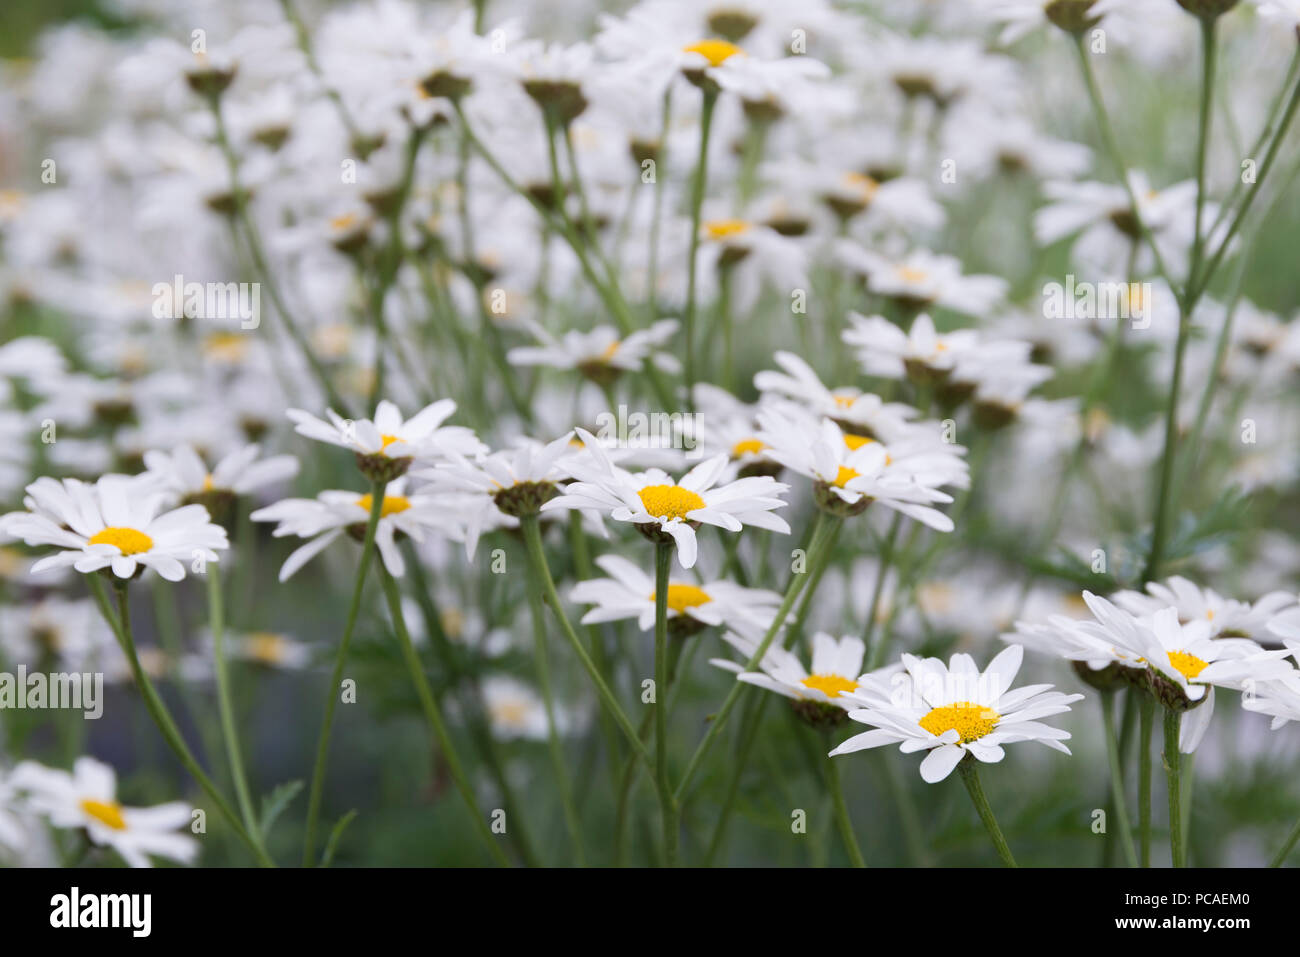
<point x="1227" y="617"/>
<point x="848" y="475"/>
<point x="923" y="279"/>
<point x="1279" y="697"/>
<point x="600" y="354"/>
<point x="660" y="506"/>
<point x="13" y="833"/>
<point x="118" y="523"/>
<point x="331" y="513"/>
<point x="861" y="413"/>
<point x="183" y="475"/>
<point x="87" y="798"/>
<point x="517" y="712"/>
<point x="386" y="445"/>
<point x="955" y="710"/>
<point x="1185" y="662"/>
<point x="629" y="592"/>
<point x="921" y="353"/>
<point x="491" y="491"/>
<point x="819" y="694"/>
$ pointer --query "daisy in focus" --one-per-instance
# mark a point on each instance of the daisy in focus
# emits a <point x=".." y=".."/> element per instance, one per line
<point x="117" y="523"/>
<point x="660" y="506"/>
<point x="955" y="710"/>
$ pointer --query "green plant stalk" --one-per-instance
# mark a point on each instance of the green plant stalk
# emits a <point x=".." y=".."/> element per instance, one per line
<point x="1146" y="725"/>
<point x="886" y="559"/>
<point x="336" y="676"/>
<point x="537" y="555"/>
<point x="479" y="727"/>
<point x="1111" y="143"/>
<point x="842" y="813"/>
<point x="970" y="777"/>
<point x="667" y="803"/>
<point x="216" y="623"/>
<point x="1286" y="847"/>
<point x="157" y="709"/>
<point x="555" y="746"/>
<point x="433" y="713"/>
<point x="1118" y="800"/>
<point x="698" y="182"/>
<point x="656" y="212"/>
<point x="1173" y="768"/>
<point x="258" y="257"/>
<point x="823" y="528"/>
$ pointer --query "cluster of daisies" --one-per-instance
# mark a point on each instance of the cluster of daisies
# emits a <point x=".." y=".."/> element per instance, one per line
<point x="813" y="244"/>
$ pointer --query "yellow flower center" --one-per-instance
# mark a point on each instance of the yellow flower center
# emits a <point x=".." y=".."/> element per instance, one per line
<point x="341" y="223"/>
<point x="845" y="401"/>
<point x="1188" y="665"/>
<point x="127" y="540"/>
<point x="611" y="350"/>
<point x="855" y="442"/>
<point x="208" y="484"/>
<point x="830" y="685"/>
<point x="747" y="447"/>
<point x="511" y="713"/>
<point x="228" y="346"/>
<point x="862" y="184"/>
<point x="844" y="476"/>
<point x="266" y="647"/>
<point x="105" y="812"/>
<point x="392" y="505"/>
<point x="681" y="597"/>
<point x="386" y="440"/>
<point x="669" y="501"/>
<point x="971" y="721"/>
<point x="910" y="274"/>
<point x="715" y="51"/>
<point x="725" y="228"/>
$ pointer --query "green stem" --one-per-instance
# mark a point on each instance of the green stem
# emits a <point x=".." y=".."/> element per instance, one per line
<point x="336" y="676"/>
<point x="1146" y="725"/>
<point x="1173" y="768"/>
<point x="216" y="623"/>
<point x="667" y="804"/>
<point x="120" y="623"/>
<point x="971" y="778"/>
<point x="821" y="531"/>
<point x="698" y="183"/>
<point x="537" y="555"/>
<point x="1285" y="849"/>
<point x="552" y="730"/>
<point x="433" y="713"/>
<point x="1118" y="800"/>
<point x="886" y="559"/>
<point x="842" y="813"/>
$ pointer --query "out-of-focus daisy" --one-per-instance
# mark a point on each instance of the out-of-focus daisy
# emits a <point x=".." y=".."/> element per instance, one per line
<point x="850" y="476"/>
<point x="858" y="412"/>
<point x="921" y="353"/>
<point x="117" y="523"/>
<point x="600" y="354"/>
<point x="923" y="279"/>
<point x="956" y="710"/>
<point x="660" y="506"/>
<point x="1226" y="617"/>
<point x="182" y="473"/>
<point x="386" y="446"/>
<point x="87" y="798"/>
<point x="629" y="592"/>
<point x="331" y="513"/>
<point x="516" y="711"/>
<point x="68" y="631"/>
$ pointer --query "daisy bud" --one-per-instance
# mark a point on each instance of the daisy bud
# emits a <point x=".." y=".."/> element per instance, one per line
<point x="732" y="25"/>
<point x="209" y="80"/>
<point x="445" y="84"/>
<point x="1072" y="16"/>
<point x="819" y="714"/>
<point x="524" y="498"/>
<point x="829" y="502"/>
<point x="560" y="100"/>
<point x="1207" y="9"/>
<point x="382" y="468"/>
